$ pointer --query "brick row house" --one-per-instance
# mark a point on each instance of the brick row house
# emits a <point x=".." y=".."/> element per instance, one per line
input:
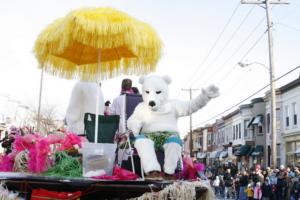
<point x="244" y="137"/>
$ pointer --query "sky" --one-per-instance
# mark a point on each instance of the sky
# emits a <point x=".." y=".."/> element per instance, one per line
<point x="193" y="56"/>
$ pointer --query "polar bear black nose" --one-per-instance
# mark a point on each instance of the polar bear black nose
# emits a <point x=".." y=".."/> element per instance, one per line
<point x="152" y="103"/>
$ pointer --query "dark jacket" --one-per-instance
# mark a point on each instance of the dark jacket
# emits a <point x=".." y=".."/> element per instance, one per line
<point x="244" y="181"/>
<point x="266" y="190"/>
<point x="295" y="192"/>
<point x="228" y="180"/>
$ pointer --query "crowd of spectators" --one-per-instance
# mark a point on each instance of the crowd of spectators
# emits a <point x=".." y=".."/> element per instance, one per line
<point x="256" y="183"/>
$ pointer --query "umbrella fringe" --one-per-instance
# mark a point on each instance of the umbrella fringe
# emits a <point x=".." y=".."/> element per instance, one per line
<point x="63" y="68"/>
<point x="133" y="45"/>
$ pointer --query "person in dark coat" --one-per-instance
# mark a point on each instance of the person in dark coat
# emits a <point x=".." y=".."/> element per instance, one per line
<point x="244" y="180"/>
<point x="228" y="184"/>
<point x="266" y="190"/>
<point x="295" y="191"/>
<point x="281" y="191"/>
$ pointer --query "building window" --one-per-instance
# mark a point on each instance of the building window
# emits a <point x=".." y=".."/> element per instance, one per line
<point x="246" y="122"/>
<point x="233" y="129"/>
<point x="294" y="113"/>
<point x="260" y="129"/>
<point x="223" y="136"/>
<point x="209" y="139"/>
<point x="287" y="120"/>
<point x="201" y="141"/>
<point x="268" y="122"/>
<point x="240" y="133"/>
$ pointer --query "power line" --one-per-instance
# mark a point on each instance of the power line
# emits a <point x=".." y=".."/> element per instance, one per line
<point x="237" y="50"/>
<point x="239" y="47"/>
<point x="230" y="108"/>
<point x="244" y="56"/>
<point x="229" y="40"/>
<point x="289" y="27"/>
<point x="214" y="45"/>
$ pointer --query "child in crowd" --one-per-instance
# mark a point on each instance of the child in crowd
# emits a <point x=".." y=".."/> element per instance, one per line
<point x="249" y="192"/>
<point x="216" y="185"/>
<point x="257" y="192"/>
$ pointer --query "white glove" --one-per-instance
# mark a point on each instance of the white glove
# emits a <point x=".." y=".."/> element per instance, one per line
<point x="211" y="91"/>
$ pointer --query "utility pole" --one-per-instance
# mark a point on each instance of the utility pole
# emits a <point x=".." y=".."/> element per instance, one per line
<point x="271" y="70"/>
<point x="191" y="121"/>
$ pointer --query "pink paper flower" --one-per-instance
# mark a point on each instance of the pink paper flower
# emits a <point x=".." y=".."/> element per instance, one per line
<point x="69" y="141"/>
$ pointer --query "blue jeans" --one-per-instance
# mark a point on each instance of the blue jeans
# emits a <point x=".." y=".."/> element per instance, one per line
<point x="217" y="190"/>
<point x="242" y="194"/>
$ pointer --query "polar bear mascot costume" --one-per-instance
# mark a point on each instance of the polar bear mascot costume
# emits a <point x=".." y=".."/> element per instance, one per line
<point x="155" y="119"/>
<point x="83" y="100"/>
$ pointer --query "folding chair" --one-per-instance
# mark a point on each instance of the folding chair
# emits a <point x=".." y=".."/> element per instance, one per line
<point x="130" y="102"/>
<point x="108" y="126"/>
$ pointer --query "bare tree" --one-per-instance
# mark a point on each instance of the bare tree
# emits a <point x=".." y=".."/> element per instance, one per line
<point x="49" y="120"/>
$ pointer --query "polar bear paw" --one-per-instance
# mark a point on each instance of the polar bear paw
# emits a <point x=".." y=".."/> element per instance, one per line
<point x="212" y="91"/>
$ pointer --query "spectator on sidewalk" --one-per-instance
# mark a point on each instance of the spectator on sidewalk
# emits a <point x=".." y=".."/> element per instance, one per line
<point x="216" y="185"/>
<point x="266" y="190"/>
<point x="249" y="192"/>
<point x="257" y="192"/>
<point x="243" y="185"/>
<point x="228" y="184"/>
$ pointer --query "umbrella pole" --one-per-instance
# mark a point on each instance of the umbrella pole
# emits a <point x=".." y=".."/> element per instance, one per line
<point x="97" y="98"/>
<point x="40" y="101"/>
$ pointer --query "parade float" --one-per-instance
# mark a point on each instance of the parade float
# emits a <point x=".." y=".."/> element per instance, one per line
<point x="90" y="44"/>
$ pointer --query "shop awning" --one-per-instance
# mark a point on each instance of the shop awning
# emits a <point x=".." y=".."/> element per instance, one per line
<point x="251" y="151"/>
<point x="201" y="155"/>
<point x="243" y="150"/>
<point x="258" y="151"/>
<point x="250" y="123"/>
<point x="258" y="120"/>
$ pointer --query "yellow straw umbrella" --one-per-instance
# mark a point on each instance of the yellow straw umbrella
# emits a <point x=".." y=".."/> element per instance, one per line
<point x="97" y="43"/>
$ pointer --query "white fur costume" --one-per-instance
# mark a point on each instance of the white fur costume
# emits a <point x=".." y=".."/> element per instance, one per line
<point x="158" y="113"/>
<point x="83" y="100"/>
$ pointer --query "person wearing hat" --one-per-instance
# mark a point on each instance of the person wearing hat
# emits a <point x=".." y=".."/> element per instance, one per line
<point x="249" y="192"/>
<point x="257" y="192"/>
<point x="282" y="183"/>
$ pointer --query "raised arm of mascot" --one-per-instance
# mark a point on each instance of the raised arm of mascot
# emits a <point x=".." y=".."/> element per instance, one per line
<point x="154" y="123"/>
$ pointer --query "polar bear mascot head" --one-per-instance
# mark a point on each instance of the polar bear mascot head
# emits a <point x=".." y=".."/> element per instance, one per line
<point x="155" y="90"/>
<point x="159" y="113"/>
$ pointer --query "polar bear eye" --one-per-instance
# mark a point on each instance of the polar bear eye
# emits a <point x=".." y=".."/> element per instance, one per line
<point x="147" y="92"/>
<point x="158" y="92"/>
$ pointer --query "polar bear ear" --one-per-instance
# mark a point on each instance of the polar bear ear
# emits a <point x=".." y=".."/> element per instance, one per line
<point x="167" y="79"/>
<point x="141" y="79"/>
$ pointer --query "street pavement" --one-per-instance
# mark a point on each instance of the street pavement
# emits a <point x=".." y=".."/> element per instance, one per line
<point x="222" y="198"/>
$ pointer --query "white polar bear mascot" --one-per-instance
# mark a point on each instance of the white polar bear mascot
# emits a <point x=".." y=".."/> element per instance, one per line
<point x="83" y="100"/>
<point x="156" y="119"/>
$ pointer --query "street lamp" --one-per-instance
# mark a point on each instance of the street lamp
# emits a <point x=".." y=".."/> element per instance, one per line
<point x="273" y="108"/>
<point x="245" y="64"/>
